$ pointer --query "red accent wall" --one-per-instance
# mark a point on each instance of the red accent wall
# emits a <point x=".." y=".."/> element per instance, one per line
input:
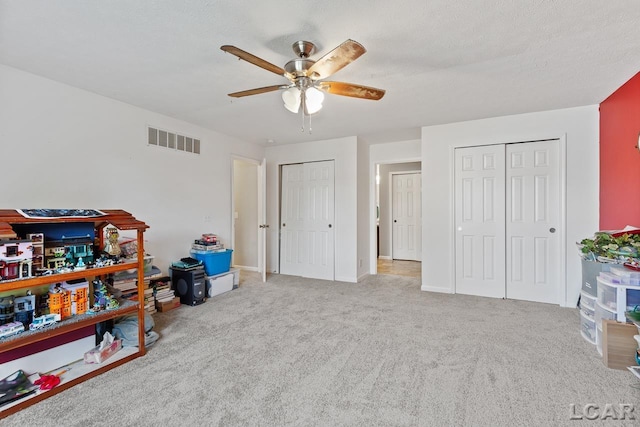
<point x="619" y="159"/>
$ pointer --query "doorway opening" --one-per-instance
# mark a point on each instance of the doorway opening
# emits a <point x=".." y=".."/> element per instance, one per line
<point x="245" y="214"/>
<point x="393" y="239"/>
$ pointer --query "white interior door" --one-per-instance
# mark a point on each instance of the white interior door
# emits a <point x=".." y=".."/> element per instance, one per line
<point x="319" y="231"/>
<point x="307" y="220"/>
<point x="479" y="221"/>
<point x="292" y="221"/>
<point x="507" y="216"/>
<point x="406" y="216"/>
<point x="262" y="215"/>
<point x="533" y="221"/>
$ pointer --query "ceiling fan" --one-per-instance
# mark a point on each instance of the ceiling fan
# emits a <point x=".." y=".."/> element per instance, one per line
<point x="306" y="76"/>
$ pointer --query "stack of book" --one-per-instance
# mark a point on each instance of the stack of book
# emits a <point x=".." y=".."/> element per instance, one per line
<point x="149" y="301"/>
<point x="165" y="298"/>
<point x="209" y="243"/>
<point x="149" y="296"/>
<point x="125" y="288"/>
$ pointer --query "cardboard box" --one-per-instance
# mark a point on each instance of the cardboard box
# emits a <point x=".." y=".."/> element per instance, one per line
<point x="95" y="355"/>
<point x="618" y="345"/>
<point x="168" y="305"/>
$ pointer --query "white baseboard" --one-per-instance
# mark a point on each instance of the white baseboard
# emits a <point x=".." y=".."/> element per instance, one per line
<point x="345" y="279"/>
<point x="436" y="289"/>
<point x="385" y="257"/>
<point x="246" y="268"/>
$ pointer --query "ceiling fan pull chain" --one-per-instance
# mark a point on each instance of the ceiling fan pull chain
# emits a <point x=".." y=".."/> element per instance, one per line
<point x="310" y="130"/>
<point x="302" y="96"/>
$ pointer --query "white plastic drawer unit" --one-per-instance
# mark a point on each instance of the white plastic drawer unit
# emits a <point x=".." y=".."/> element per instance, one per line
<point x="588" y="327"/>
<point x="587" y="301"/>
<point x="626" y="275"/>
<point x="617" y="298"/>
<point x="590" y="312"/>
<point x="602" y="312"/>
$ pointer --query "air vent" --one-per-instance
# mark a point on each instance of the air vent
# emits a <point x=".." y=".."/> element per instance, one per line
<point x="173" y="141"/>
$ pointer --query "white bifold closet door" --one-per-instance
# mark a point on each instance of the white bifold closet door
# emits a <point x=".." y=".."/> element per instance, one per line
<point x="507" y="219"/>
<point x="307" y="215"/>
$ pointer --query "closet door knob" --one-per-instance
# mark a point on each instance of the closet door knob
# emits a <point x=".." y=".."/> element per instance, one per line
<point x="329" y="225"/>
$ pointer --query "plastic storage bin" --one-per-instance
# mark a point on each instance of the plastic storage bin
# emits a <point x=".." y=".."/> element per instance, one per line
<point x="591" y="312"/>
<point x="590" y="271"/>
<point x="602" y="312"/>
<point x="587" y="301"/>
<point x="627" y="276"/>
<point x="617" y="298"/>
<point x="588" y="328"/>
<point x="608" y="294"/>
<point x="214" y="262"/>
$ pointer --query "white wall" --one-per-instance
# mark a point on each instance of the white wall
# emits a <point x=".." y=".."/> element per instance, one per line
<point x="363" y="210"/>
<point x="63" y="147"/>
<point x="344" y="152"/>
<point x="580" y="128"/>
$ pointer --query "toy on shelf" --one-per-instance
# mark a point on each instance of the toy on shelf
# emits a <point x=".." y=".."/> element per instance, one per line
<point x="60" y="301"/>
<point x="44" y="321"/>
<point x="103" y="300"/>
<point x="15" y="258"/>
<point x="10" y="329"/>
<point x="111" y="245"/>
<point x="24" y="308"/>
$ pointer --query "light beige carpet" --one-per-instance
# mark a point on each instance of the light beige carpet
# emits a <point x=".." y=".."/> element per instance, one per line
<point x="300" y="352"/>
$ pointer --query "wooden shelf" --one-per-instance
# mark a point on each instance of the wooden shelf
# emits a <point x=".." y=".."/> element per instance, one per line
<point x="67" y="325"/>
<point x="9" y="285"/>
<point x="122" y="221"/>
<point x="78" y="372"/>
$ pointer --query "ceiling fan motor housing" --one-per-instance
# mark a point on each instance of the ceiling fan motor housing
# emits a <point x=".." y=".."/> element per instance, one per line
<point x="303" y="49"/>
<point x="299" y="67"/>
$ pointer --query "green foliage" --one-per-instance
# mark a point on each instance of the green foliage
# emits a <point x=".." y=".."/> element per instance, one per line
<point x="606" y="245"/>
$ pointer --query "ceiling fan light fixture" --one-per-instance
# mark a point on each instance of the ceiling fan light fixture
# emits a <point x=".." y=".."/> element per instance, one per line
<point x="313" y="100"/>
<point x="291" y="99"/>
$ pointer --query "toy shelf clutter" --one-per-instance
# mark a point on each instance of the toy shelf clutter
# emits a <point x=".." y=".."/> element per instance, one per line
<point x="19" y="276"/>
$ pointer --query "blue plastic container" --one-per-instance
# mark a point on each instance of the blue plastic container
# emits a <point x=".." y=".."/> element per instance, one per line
<point x="214" y="262"/>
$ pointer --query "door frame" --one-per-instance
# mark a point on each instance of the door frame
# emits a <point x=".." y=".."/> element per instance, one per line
<point x="390" y="222"/>
<point x="373" y="235"/>
<point x="562" y="177"/>
<point x="260" y="196"/>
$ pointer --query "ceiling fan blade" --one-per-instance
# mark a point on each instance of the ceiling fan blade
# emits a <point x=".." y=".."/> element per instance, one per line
<point x="348" y="89"/>
<point x="254" y="60"/>
<point x="257" y="91"/>
<point x="336" y="60"/>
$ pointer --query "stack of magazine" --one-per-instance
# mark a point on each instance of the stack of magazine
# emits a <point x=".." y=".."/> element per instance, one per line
<point x="15" y="387"/>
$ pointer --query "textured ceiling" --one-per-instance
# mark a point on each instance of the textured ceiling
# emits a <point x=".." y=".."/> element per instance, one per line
<point x="439" y="61"/>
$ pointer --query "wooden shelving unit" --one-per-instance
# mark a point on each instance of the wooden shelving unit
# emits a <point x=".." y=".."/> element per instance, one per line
<point x="122" y="221"/>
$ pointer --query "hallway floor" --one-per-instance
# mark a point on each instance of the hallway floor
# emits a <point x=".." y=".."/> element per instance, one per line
<point x="398" y="267"/>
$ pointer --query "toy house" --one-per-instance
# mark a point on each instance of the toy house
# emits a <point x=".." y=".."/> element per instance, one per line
<point x="37" y="243"/>
<point x="15" y="258"/>
<point x="60" y="301"/>
<point x="24" y="307"/>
